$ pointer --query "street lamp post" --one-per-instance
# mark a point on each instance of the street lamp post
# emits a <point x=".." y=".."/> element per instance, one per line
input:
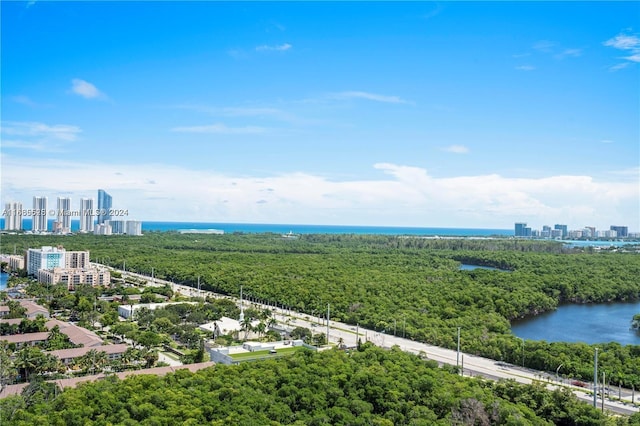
<point x="458" y="353"/>
<point x="557" y="371"/>
<point x="328" y="323"/>
<point x="595" y="380"/>
<point x="404" y="325"/>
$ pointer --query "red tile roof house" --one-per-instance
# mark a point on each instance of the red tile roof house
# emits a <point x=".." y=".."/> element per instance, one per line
<point x="77" y="335"/>
<point x="27" y="339"/>
<point x="68" y="355"/>
<point x="33" y="309"/>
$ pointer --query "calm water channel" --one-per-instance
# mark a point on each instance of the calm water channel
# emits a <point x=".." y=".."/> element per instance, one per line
<point x="595" y="323"/>
<point x="599" y="323"/>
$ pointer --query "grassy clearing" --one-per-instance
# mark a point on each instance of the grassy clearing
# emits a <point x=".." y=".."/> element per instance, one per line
<point x="248" y="356"/>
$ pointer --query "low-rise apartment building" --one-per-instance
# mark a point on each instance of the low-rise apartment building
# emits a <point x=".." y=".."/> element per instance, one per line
<point x="67" y="356"/>
<point x="74" y="277"/>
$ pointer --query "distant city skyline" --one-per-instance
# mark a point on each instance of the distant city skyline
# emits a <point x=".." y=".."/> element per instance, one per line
<point x="453" y="114"/>
<point x="521" y="229"/>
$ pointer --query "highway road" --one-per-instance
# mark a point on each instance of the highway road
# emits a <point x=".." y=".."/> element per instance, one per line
<point x="471" y="365"/>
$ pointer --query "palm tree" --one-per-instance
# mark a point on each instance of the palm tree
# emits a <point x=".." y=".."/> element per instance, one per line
<point x="150" y="356"/>
<point x="261" y="327"/>
<point x="8" y="370"/>
<point x="27" y="360"/>
<point x="93" y="360"/>
<point x="246" y="326"/>
<point x="271" y="322"/>
<point x="128" y="356"/>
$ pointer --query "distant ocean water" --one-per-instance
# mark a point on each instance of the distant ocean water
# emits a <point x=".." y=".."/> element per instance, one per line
<point x="257" y="228"/>
<point x="324" y="229"/>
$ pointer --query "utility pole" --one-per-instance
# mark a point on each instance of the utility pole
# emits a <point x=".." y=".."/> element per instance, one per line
<point x="458" y="353"/>
<point x="603" y="390"/>
<point x="241" y="317"/>
<point x="595" y="380"/>
<point x="394" y="326"/>
<point x="327" y="323"/>
<point x="404" y="325"/>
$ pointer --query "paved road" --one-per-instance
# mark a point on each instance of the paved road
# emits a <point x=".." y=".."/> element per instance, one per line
<point x="472" y="365"/>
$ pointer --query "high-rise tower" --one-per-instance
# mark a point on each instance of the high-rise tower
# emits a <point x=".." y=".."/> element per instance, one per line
<point x="39" y="218"/>
<point x="64" y="215"/>
<point x="86" y="215"/>
<point x="104" y="205"/>
<point x="13" y="216"/>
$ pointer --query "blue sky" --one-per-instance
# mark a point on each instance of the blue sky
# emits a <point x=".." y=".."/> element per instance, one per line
<point x="449" y="114"/>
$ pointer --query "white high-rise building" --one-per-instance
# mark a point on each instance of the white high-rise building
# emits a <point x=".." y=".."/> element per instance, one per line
<point x="86" y="215"/>
<point x="63" y="224"/>
<point x="44" y="258"/>
<point x="134" y="227"/>
<point x="102" y="228"/>
<point x="117" y="226"/>
<point x="39" y="217"/>
<point x="13" y="216"/>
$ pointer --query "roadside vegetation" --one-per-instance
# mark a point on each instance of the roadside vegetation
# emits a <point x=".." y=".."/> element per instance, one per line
<point x="368" y="386"/>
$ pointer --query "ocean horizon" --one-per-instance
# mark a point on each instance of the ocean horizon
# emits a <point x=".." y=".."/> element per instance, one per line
<point x="260" y="228"/>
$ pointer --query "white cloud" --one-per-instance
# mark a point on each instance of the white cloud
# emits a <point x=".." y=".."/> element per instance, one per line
<point x="403" y="195"/>
<point x="569" y="53"/>
<point x="36" y="136"/>
<point x="456" y="149"/>
<point x="238" y="111"/>
<point x="61" y="132"/>
<point x="549" y="48"/>
<point x="24" y="100"/>
<point x="275" y="48"/>
<point x="220" y="128"/>
<point x="525" y="68"/>
<point x="368" y="96"/>
<point x="626" y="42"/>
<point x="85" y="89"/>
<point x="619" y="66"/>
<point x="633" y="58"/>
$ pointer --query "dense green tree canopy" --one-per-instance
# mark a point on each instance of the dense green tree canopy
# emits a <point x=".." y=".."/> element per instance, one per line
<point x="368" y="386"/>
<point x="382" y="281"/>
